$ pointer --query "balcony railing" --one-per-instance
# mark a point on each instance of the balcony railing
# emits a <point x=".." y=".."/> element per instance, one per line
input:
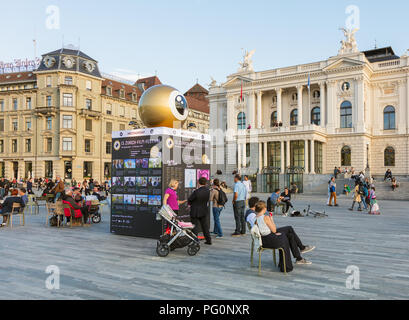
<point x="90" y="113"/>
<point x="46" y="110"/>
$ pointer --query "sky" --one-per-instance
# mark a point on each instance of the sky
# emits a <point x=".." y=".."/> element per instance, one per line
<point x="185" y="41"/>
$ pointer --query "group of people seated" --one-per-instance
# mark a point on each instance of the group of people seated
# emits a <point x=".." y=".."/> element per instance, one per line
<point x="279" y="198"/>
<point x="274" y="238"/>
<point x="18" y="196"/>
<point x="392" y="179"/>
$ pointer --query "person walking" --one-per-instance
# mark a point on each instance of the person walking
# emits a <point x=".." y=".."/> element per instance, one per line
<point x="199" y="209"/>
<point x="333" y="192"/>
<point x="357" y="197"/>
<point x="217" y="208"/>
<point x="239" y="205"/>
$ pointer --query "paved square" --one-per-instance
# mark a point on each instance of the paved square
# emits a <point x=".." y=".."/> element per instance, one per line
<point x="95" y="264"/>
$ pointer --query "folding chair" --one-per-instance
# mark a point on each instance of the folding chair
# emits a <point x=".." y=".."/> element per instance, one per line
<point x="18" y="211"/>
<point x="32" y="202"/>
<point x="65" y="207"/>
<point x="256" y="238"/>
<point x="51" y="207"/>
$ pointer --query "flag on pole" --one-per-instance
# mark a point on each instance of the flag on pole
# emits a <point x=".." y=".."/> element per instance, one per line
<point x="309" y="81"/>
<point x="241" y="92"/>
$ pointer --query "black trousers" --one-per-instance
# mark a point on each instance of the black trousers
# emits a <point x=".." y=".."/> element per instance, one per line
<point x="293" y="240"/>
<point x="238" y="209"/>
<point x="202" y="221"/>
<point x="273" y="241"/>
<point x="288" y="205"/>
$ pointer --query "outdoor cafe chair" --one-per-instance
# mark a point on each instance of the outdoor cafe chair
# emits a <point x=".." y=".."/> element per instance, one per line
<point x="32" y="202"/>
<point x="256" y="240"/>
<point x="65" y="207"/>
<point x="16" y="211"/>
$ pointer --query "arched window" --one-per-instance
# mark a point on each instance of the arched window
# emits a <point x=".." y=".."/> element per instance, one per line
<point x="241" y="121"/>
<point x="316" y="116"/>
<point x="294" y="117"/>
<point x="273" y="121"/>
<point x="389" y="118"/>
<point x="389" y="157"/>
<point x="346" y="156"/>
<point x="346" y="114"/>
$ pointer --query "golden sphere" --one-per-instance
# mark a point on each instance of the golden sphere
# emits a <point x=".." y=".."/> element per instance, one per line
<point x="163" y="106"/>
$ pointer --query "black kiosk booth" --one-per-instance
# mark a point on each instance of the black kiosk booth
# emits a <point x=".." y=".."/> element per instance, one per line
<point x="143" y="163"/>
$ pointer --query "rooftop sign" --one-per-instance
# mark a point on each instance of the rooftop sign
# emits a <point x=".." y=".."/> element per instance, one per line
<point x="19" y="65"/>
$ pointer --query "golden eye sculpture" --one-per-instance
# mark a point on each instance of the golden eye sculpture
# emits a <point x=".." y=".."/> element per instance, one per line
<point x="163" y="106"/>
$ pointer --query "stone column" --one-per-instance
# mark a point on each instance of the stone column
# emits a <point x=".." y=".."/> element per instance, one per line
<point x="260" y="155"/>
<point x="259" y="109"/>
<point x="322" y="104"/>
<point x="402" y="111"/>
<point x="265" y="155"/>
<point x="288" y="162"/>
<point x="306" y="160"/>
<point x="279" y="106"/>
<point x="244" y="160"/>
<point x="251" y="110"/>
<point x="282" y="164"/>
<point x="358" y="109"/>
<point x="312" y="158"/>
<point x="231" y="115"/>
<point x="300" y="109"/>
<point x="331" y="108"/>
<point x="239" y="161"/>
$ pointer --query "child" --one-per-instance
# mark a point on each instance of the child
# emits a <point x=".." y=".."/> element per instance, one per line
<point x="347" y="189"/>
<point x="374" y="207"/>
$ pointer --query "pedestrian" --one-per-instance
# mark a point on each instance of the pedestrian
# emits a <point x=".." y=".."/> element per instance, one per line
<point x="333" y="192"/>
<point x="239" y="205"/>
<point x="247" y="184"/>
<point x="357" y="197"/>
<point x="171" y="197"/>
<point x="217" y="208"/>
<point x="199" y="209"/>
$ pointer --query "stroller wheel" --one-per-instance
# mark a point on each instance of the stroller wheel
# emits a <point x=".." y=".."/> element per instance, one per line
<point x="193" y="249"/>
<point x="162" y="250"/>
<point x="96" y="218"/>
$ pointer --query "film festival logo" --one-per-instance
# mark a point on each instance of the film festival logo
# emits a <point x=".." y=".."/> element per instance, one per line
<point x="52" y="22"/>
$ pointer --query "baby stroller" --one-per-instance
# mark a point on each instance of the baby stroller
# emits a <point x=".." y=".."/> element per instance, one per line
<point x="93" y="210"/>
<point x="179" y="235"/>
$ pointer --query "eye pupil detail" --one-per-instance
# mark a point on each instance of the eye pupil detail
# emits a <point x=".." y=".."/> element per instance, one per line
<point x="180" y="103"/>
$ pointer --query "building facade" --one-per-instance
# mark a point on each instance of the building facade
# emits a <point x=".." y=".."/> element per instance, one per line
<point x="58" y="119"/>
<point x="198" y="118"/>
<point x="351" y="110"/>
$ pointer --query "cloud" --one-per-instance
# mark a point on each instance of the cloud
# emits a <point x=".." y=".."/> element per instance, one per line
<point x="129" y="75"/>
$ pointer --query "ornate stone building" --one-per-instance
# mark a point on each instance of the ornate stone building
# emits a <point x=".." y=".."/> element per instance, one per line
<point x="198" y="119"/>
<point x="356" y="114"/>
<point x="58" y="119"/>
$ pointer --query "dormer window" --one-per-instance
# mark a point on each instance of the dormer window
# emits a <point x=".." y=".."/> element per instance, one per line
<point x="122" y="94"/>
<point x="133" y="97"/>
<point x="109" y="91"/>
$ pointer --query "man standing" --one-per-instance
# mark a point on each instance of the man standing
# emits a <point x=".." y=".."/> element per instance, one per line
<point x="199" y="209"/>
<point x="247" y="184"/>
<point x="239" y="205"/>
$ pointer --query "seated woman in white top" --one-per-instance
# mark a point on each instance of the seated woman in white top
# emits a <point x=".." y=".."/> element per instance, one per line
<point x="285" y="238"/>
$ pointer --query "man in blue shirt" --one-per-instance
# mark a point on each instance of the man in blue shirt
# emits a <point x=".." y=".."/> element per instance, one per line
<point x="239" y="205"/>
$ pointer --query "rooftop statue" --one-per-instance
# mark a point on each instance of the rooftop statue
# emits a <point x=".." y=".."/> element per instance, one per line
<point x="349" y="44"/>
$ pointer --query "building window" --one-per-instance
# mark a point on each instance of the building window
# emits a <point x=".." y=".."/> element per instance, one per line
<point x="49" y="146"/>
<point x="108" y="147"/>
<point x="67" y="144"/>
<point x="1" y="105"/>
<point x="346" y="156"/>
<point x="294" y="96"/>
<point x="14" y="145"/>
<point x="48" y="81"/>
<point x="49" y="123"/>
<point x="68" y="169"/>
<point x="49" y="169"/>
<point x="1" y="146"/>
<point x="1" y="125"/>
<point x="389" y="118"/>
<point x="48" y="101"/>
<point x="122" y="94"/>
<point x="389" y="157"/>
<point x="133" y="97"/>
<point x="88" y="85"/>
<point x="68" y="81"/>
<point x="67" y="99"/>
<point x="122" y="111"/>
<point x="15" y="104"/>
<point x="241" y="121"/>
<point x="88" y="104"/>
<point x="316" y="94"/>
<point x="346" y="114"/>
<point x="109" y="91"/>
<point x="14" y="124"/>
<point x="297" y="154"/>
<point x="88" y="124"/>
<point x="294" y="117"/>
<point x="109" y="109"/>
<point x="318" y="157"/>
<point x="87" y="169"/>
<point x="274" y="154"/>
<point x="28" y="145"/>
<point x="121" y="127"/>
<point x="28" y="103"/>
<point x="109" y="128"/>
<point x="87" y="148"/>
<point x="273" y="120"/>
<point x="67" y="122"/>
<point x="316" y="116"/>
<point x="28" y="124"/>
<point x="107" y="169"/>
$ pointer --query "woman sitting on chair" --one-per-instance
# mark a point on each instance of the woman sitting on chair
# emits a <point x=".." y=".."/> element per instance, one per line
<point x="285" y="238"/>
<point x="7" y="206"/>
<point x="76" y="209"/>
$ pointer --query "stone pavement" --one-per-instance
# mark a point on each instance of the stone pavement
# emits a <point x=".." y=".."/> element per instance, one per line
<point x="95" y="264"/>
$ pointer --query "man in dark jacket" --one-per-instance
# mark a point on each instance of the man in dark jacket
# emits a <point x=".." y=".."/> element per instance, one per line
<point x="199" y="209"/>
<point x="7" y="206"/>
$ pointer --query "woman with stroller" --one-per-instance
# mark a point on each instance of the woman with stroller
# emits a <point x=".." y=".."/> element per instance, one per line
<point x="171" y="197"/>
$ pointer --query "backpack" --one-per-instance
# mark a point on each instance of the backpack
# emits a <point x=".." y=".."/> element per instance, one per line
<point x="53" y="221"/>
<point x="222" y="199"/>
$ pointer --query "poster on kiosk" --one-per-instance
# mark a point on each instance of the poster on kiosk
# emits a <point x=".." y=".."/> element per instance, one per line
<point x="143" y="163"/>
